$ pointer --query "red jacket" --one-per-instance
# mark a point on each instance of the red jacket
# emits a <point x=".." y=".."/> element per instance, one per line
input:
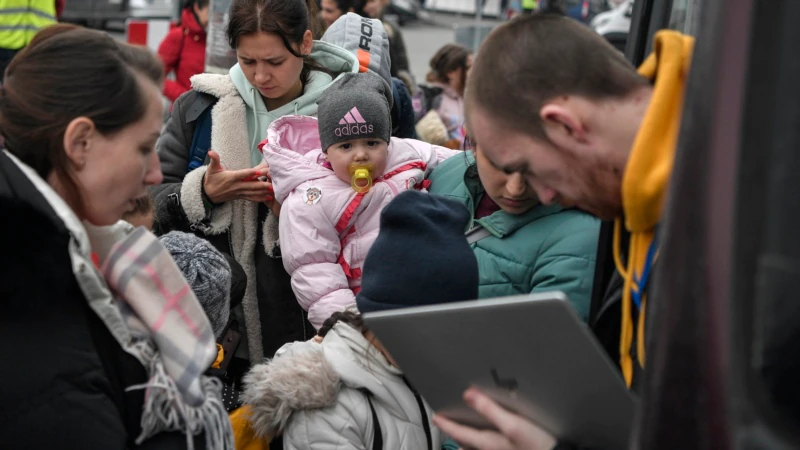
<point x="183" y="51"/>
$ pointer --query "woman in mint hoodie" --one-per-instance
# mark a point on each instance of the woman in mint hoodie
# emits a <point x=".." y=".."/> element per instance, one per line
<point x="523" y="246"/>
<point x="281" y="70"/>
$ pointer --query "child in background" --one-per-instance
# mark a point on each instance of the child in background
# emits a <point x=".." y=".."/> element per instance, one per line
<point x="217" y="281"/>
<point x="450" y="67"/>
<point x="207" y="272"/>
<point x="333" y="176"/>
<point x="344" y="390"/>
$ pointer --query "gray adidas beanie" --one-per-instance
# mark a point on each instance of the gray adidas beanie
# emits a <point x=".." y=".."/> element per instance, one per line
<point x="207" y="272"/>
<point x="356" y="106"/>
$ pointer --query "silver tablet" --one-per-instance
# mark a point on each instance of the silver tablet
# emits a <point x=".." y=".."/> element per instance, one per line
<point x="530" y="353"/>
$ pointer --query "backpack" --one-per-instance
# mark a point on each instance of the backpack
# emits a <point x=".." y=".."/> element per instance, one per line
<point x="424" y="100"/>
<point x="201" y="140"/>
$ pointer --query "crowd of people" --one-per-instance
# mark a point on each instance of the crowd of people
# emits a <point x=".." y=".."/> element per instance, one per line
<point x="201" y="284"/>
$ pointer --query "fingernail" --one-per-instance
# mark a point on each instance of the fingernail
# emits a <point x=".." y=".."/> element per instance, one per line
<point x="469" y="397"/>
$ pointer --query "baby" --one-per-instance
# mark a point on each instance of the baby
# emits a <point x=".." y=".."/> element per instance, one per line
<point x="333" y="176"/>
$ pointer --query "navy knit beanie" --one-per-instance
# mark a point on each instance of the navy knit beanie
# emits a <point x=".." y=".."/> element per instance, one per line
<point x="421" y="256"/>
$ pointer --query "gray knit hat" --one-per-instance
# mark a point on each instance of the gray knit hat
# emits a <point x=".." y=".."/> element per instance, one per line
<point x="366" y="38"/>
<point x="356" y="106"/>
<point x="207" y="272"/>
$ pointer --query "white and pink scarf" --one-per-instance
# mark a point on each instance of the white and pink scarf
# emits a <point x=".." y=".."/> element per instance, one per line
<point x="172" y="338"/>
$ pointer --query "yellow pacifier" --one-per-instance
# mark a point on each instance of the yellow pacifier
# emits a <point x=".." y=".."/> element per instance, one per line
<point x="362" y="181"/>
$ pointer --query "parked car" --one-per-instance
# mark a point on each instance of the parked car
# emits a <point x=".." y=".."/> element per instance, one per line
<point x="615" y="24"/>
<point x="404" y="10"/>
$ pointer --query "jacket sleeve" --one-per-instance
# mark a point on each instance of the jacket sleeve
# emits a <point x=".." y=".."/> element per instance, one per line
<point x="169" y="50"/>
<point x="432" y="155"/>
<point x="178" y="199"/>
<point x="566" y="261"/>
<point x="310" y="248"/>
<point x="173" y="152"/>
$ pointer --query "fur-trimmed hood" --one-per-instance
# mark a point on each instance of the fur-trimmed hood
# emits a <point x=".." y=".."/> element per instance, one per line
<point x="298" y="378"/>
<point x="310" y="376"/>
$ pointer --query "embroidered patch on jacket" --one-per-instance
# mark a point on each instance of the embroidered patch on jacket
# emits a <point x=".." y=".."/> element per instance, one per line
<point x="312" y="196"/>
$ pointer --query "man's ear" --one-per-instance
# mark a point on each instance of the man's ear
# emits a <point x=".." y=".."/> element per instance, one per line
<point x="308" y="42"/>
<point x="78" y="139"/>
<point x="562" y="125"/>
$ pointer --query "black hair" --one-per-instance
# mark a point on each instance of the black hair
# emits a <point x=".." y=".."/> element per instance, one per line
<point x="349" y="317"/>
<point x="64" y="73"/>
<point x="190" y="3"/>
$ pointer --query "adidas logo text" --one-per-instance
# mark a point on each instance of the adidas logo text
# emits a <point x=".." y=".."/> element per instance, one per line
<point x="353" y="124"/>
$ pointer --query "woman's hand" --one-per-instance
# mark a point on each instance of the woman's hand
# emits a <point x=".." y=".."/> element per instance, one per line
<point x="516" y="432"/>
<point x="221" y="185"/>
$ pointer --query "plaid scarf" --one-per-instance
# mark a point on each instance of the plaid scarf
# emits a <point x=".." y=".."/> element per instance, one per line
<point x="172" y="338"/>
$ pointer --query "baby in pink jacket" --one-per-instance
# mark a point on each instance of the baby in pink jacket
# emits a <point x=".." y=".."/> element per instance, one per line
<point x="329" y="220"/>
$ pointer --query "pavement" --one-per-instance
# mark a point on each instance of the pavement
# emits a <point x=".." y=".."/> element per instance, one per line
<point x="423" y="37"/>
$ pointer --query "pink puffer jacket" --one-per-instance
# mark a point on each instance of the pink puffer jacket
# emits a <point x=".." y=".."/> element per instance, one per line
<point x="326" y="228"/>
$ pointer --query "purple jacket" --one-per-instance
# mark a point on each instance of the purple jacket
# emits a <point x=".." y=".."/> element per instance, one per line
<point x="326" y="228"/>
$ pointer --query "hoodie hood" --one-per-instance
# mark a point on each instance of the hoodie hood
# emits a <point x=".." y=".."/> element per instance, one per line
<point x="294" y="154"/>
<point x="329" y="56"/>
<point x="309" y="375"/>
<point x="189" y="22"/>
<point x="646" y="179"/>
<point x="367" y="39"/>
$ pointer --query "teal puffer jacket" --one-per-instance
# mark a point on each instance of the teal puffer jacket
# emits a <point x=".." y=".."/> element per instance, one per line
<point x="545" y="249"/>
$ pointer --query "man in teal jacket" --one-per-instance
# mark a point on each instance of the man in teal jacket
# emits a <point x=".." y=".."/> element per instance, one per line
<point x="526" y="246"/>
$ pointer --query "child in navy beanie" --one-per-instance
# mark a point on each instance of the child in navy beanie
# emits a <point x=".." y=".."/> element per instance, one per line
<point x="420" y="257"/>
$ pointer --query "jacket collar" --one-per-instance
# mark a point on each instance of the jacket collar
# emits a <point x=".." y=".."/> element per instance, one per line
<point x="23" y="179"/>
<point x="189" y="22"/>
<point x="501" y="223"/>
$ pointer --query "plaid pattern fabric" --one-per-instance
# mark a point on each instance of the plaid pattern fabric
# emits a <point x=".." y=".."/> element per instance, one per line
<point x="158" y="304"/>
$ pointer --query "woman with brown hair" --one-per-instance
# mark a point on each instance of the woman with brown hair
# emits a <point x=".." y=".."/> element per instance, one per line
<point x="227" y="195"/>
<point x="333" y="9"/>
<point x="89" y="367"/>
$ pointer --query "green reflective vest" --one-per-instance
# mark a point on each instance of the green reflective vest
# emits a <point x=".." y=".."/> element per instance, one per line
<point x="529" y="4"/>
<point x="20" y="20"/>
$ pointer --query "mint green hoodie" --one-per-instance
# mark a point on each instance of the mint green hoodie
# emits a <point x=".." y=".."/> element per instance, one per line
<point x="336" y="59"/>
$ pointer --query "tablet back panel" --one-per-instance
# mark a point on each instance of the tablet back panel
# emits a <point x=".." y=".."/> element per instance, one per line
<point x="531" y="353"/>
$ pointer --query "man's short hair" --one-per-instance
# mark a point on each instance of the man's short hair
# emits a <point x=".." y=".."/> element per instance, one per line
<point x="533" y="59"/>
